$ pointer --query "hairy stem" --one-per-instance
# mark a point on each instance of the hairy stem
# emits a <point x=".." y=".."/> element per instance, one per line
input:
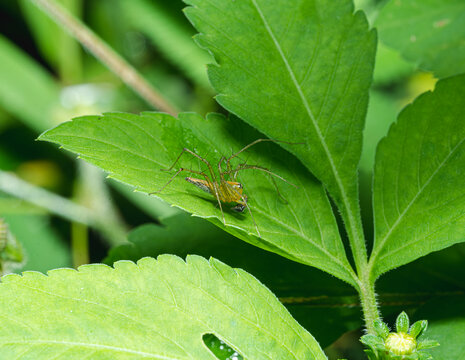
<point x="105" y="54"/>
<point x="368" y="300"/>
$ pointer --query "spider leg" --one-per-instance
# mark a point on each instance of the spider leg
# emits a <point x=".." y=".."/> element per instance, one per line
<point x="169" y="181"/>
<point x="244" y="200"/>
<point x="215" y="187"/>
<point x="210" y="169"/>
<point x="277" y="189"/>
<point x="253" y="219"/>
<point x="256" y="142"/>
<point x="177" y="173"/>
<point x="193" y="154"/>
<point x="260" y="168"/>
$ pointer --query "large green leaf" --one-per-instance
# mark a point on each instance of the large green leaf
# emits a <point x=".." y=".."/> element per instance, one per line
<point x="418" y="185"/>
<point x="134" y="148"/>
<point x="297" y="70"/>
<point x="428" y="32"/>
<point x="318" y="301"/>
<point x="156" y="309"/>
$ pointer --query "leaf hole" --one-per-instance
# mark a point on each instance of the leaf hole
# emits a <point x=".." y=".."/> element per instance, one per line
<point x="220" y="349"/>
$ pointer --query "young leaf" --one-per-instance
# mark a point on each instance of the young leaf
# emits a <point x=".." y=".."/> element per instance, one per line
<point x="427" y="32"/>
<point x="297" y="70"/>
<point x="158" y="309"/>
<point x="402" y="322"/>
<point x="418" y="182"/>
<point x="134" y="149"/>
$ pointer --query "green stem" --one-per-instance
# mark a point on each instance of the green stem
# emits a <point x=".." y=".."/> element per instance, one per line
<point x="79" y="244"/>
<point x="58" y="205"/>
<point x="93" y="193"/>
<point x="105" y="54"/>
<point x="368" y="300"/>
<point x="353" y="223"/>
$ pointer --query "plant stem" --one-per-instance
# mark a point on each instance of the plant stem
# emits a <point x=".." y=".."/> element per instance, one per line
<point x="58" y="205"/>
<point x="79" y="244"/>
<point x="62" y="207"/>
<point x="105" y="54"/>
<point x="368" y="300"/>
<point x="92" y="192"/>
<point x="352" y="220"/>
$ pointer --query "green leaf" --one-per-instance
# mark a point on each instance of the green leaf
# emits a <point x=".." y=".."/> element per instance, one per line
<point x="402" y="322"/>
<point x="381" y="329"/>
<point x="157" y="309"/>
<point x="318" y="301"/>
<point x="427" y="344"/>
<point x="134" y="149"/>
<point x="426" y="32"/>
<point x="418" y="328"/>
<point x="418" y="184"/>
<point x="297" y="70"/>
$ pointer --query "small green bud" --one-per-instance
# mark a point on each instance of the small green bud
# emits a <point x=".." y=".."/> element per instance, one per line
<point x="402" y="322"/>
<point x="401" y="343"/>
<point x="418" y="328"/>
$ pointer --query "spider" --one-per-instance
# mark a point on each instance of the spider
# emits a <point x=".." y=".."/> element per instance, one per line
<point x="225" y="191"/>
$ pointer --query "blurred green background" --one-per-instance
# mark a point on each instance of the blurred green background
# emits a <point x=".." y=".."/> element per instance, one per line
<point x="64" y="212"/>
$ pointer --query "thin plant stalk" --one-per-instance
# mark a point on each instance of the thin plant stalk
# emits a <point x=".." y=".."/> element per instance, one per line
<point x="103" y="52"/>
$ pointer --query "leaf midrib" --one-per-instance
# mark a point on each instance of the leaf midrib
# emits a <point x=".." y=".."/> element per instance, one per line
<point x="334" y="170"/>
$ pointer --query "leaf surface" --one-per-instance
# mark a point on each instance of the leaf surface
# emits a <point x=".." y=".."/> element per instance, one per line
<point x="428" y="32"/>
<point x="297" y="70"/>
<point x="318" y="301"/>
<point x="158" y="309"/>
<point x="135" y="148"/>
<point x="418" y="184"/>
